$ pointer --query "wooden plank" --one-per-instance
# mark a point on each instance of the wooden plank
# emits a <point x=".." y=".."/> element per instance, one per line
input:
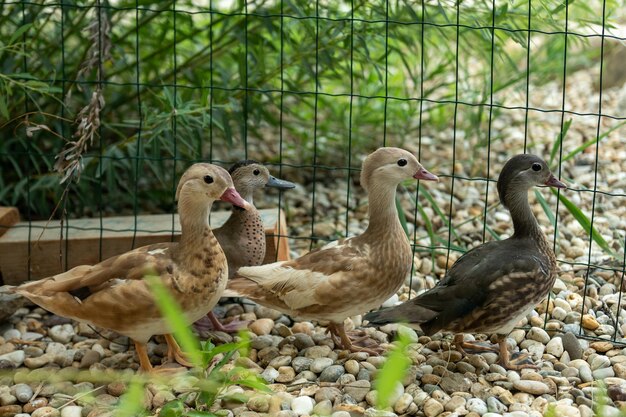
<point x="277" y="244"/>
<point x="87" y="241"/>
<point x="9" y="216"/>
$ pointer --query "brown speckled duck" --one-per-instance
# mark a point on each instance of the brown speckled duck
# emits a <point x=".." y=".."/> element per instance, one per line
<point x="113" y="295"/>
<point x="493" y="286"/>
<point x="349" y="276"/>
<point x="242" y="237"/>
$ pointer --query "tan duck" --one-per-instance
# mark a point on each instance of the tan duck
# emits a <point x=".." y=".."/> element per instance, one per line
<point x="350" y="276"/>
<point x="113" y="295"/>
<point x="242" y="237"/>
<point x="493" y="286"/>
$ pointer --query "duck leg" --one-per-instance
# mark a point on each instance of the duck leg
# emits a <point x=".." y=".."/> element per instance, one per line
<point x="519" y="363"/>
<point x="146" y="366"/>
<point x="211" y="322"/>
<point x="174" y="352"/>
<point x="461" y="345"/>
<point x="337" y="330"/>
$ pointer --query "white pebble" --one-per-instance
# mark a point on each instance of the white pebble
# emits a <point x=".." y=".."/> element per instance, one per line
<point x="476" y="405"/>
<point x="391" y="301"/>
<point x="555" y="347"/>
<point x="531" y="387"/>
<point x="16" y="357"/>
<point x="300" y="405"/>
<point x="71" y="411"/>
<point x="61" y="333"/>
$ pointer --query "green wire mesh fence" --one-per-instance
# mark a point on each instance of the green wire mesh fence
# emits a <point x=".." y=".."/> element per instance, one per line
<point x="116" y="98"/>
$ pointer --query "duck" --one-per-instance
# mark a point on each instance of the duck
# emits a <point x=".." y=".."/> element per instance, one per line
<point x="490" y="288"/>
<point x="242" y="236"/>
<point x="350" y="276"/>
<point x="113" y="294"/>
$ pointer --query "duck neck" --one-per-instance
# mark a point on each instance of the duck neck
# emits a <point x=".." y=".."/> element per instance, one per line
<point x="524" y="222"/>
<point x="383" y="215"/>
<point x="194" y="222"/>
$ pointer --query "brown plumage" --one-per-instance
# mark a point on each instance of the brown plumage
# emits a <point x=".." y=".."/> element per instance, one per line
<point x="113" y="295"/>
<point x="350" y="276"/>
<point x="492" y="287"/>
<point x="242" y="236"/>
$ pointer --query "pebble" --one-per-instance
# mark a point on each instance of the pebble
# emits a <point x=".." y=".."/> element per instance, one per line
<point x="285" y="374"/>
<point x="261" y="326"/>
<point x="22" y="392"/>
<point x="358" y="389"/>
<point x="89" y="358"/>
<point x="352" y="367"/>
<point x="531" y="387"/>
<point x="10" y="410"/>
<point x="572" y="346"/>
<point x="319" y="364"/>
<point x="403" y="403"/>
<point x="327" y="393"/>
<point x="61" y="333"/>
<point x="332" y="373"/>
<point x="46" y="412"/>
<point x="476" y="405"/>
<point x="302" y="405"/>
<point x="16" y="357"/>
<point x="555" y="347"/>
<point x="538" y="334"/>
<point x="432" y="408"/>
<point x="71" y="411"/>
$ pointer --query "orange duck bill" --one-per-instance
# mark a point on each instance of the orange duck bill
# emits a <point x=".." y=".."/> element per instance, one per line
<point x="232" y="196"/>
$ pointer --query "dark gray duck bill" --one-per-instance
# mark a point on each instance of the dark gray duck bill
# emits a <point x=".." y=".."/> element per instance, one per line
<point x="280" y="184"/>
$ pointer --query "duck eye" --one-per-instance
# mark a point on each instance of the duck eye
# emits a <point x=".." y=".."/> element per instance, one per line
<point x="536" y="166"/>
<point x="256" y="172"/>
<point x="208" y="179"/>
<point x="402" y="162"/>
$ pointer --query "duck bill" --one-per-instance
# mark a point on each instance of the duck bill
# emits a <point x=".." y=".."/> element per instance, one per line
<point x="424" y="175"/>
<point x="232" y="196"/>
<point x="553" y="182"/>
<point x="274" y="182"/>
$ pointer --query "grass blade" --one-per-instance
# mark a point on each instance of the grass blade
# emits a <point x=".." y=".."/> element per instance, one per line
<point x="591" y="142"/>
<point x="393" y="371"/>
<point x="402" y="216"/>
<point x="175" y="319"/>
<point x="546" y="207"/>
<point x="559" y="139"/>
<point x="585" y="223"/>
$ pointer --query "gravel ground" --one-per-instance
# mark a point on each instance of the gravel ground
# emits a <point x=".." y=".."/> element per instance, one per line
<point x="308" y="376"/>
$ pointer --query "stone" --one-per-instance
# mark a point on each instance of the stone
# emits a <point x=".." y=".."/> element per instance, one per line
<point x="332" y="373"/>
<point x="600" y="361"/>
<point x="285" y="374"/>
<point x="9" y="304"/>
<point x="315" y="352"/>
<point x="352" y="367"/>
<point x="495" y="406"/>
<point x="89" y="358"/>
<point x="456" y="404"/>
<point x="303" y="341"/>
<point x="61" y="333"/>
<point x="10" y="410"/>
<point x="324" y="408"/>
<point x="358" y="389"/>
<point x="402" y="404"/>
<point x="584" y="372"/>
<point x="601" y="346"/>
<point x="341" y="413"/>
<point x="538" y="334"/>
<point x="269" y="375"/>
<point x="116" y="388"/>
<point x="590" y="322"/>
<point x="319" y="364"/>
<point x="302" y="405"/>
<point x="300" y="363"/>
<point x="45" y="412"/>
<point x="261" y="342"/>
<point x="572" y="346"/>
<point x="476" y="405"/>
<point x="6" y="398"/>
<point x="432" y="408"/>
<point x="373" y="412"/>
<point x="71" y="411"/>
<point x="16" y="357"/>
<point x="531" y="387"/>
<point x="602" y="373"/>
<point x="160" y="398"/>
<point x="22" y="392"/>
<point x="555" y="347"/>
<point x="327" y="393"/>
<point x="261" y="326"/>
<point x="455" y="383"/>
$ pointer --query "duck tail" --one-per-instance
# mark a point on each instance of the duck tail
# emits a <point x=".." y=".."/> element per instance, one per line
<point x="8" y="289"/>
<point x="408" y="313"/>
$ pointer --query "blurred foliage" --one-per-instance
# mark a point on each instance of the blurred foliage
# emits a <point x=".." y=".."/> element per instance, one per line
<point x="187" y="80"/>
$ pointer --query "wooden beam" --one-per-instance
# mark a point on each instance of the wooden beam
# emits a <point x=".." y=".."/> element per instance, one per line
<point x="87" y="241"/>
<point x="9" y="216"/>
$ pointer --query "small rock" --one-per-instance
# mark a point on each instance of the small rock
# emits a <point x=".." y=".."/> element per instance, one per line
<point x="303" y="341"/>
<point x="600" y="361"/>
<point x="538" y="334"/>
<point x="319" y="364"/>
<point x="432" y="408"/>
<point x="352" y="367"/>
<point x="564" y="410"/>
<point x="259" y="403"/>
<point x="602" y="373"/>
<point x="341" y="414"/>
<point x="373" y="412"/>
<point x="601" y="346"/>
<point x="584" y="372"/>
<point x="455" y="383"/>
<point x="261" y="326"/>
<point x="300" y="363"/>
<point x="332" y="373"/>
<point x="476" y="405"/>
<point x="261" y="342"/>
<point x="358" y="389"/>
<point x="9" y="304"/>
<point x="315" y="352"/>
<point x="302" y="405"/>
<point x="531" y="387"/>
<point x="327" y="393"/>
<point x="116" y="388"/>
<point x="61" y="333"/>
<point x="89" y="358"/>
<point x="589" y="322"/>
<point x="285" y="374"/>
<point x="46" y="412"/>
<point x="22" y="392"/>
<point x="402" y="405"/>
<point x="269" y="375"/>
<point x="71" y="411"/>
<point x="10" y="410"/>
<point x="16" y="357"/>
<point x="555" y="347"/>
<point x="35" y="404"/>
<point x="495" y="406"/>
<point x="572" y="346"/>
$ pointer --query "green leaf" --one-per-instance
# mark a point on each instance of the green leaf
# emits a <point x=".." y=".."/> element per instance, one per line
<point x="4" y="111"/>
<point x="174" y="408"/>
<point x="195" y="413"/>
<point x="131" y="404"/>
<point x="19" y="32"/>
<point x="546" y="207"/>
<point x="175" y="319"/>
<point x="393" y="371"/>
<point x="584" y="222"/>
<point x="402" y="216"/>
<point x="559" y="139"/>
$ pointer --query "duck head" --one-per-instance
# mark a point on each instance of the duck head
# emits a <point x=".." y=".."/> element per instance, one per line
<point x="523" y="172"/>
<point x="392" y="166"/>
<point x="205" y="183"/>
<point x="248" y="175"/>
